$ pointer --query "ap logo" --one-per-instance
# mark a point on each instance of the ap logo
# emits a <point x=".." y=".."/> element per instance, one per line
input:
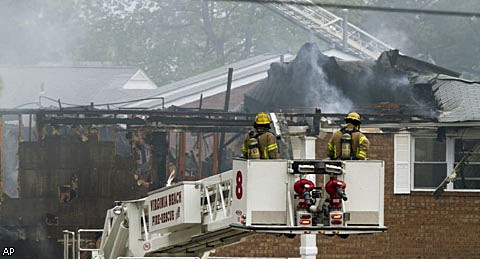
<point x="8" y="251"/>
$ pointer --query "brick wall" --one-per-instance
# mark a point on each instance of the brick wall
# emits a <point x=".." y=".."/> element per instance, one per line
<point x="419" y="225"/>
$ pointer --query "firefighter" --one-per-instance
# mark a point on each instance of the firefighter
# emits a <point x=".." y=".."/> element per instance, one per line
<point x="348" y="142"/>
<point x="260" y="143"/>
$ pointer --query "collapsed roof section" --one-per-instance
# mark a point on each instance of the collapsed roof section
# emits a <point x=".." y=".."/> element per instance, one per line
<point x="456" y="98"/>
<point x="401" y="84"/>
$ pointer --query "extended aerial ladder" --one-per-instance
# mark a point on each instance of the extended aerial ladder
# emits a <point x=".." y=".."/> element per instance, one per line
<point x="330" y="27"/>
<point x="281" y="196"/>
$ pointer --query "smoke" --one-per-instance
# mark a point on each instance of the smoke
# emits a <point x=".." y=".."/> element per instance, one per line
<point x="313" y="80"/>
<point x="37" y="32"/>
<point x="401" y="90"/>
<point x="397" y="82"/>
<point x="394" y="37"/>
<point x="319" y="92"/>
<point x="390" y="29"/>
<point x="302" y="84"/>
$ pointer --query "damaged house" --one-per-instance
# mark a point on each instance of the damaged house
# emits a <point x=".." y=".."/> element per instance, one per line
<point x="421" y="120"/>
<point x="53" y="176"/>
<point x="68" y="152"/>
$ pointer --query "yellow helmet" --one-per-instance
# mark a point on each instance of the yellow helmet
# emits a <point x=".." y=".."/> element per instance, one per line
<point x="262" y="119"/>
<point x="353" y="116"/>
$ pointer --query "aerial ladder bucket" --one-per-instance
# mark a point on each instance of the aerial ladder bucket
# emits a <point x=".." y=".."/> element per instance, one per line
<point x="256" y="196"/>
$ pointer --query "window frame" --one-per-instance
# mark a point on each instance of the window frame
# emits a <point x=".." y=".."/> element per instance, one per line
<point x="451" y="185"/>
<point x="449" y="160"/>
<point x="413" y="161"/>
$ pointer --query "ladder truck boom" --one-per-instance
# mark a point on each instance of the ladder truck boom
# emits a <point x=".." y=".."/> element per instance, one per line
<point x="330" y="27"/>
<point x="257" y="196"/>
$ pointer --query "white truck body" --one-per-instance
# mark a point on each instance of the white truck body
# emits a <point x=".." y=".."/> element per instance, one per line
<point x="190" y="218"/>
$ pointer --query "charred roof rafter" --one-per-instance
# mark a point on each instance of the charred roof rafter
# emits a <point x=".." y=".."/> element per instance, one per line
<point x="197" y="120"/>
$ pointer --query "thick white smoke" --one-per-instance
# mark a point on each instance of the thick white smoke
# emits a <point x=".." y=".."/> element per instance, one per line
<point x="320" y="93"/>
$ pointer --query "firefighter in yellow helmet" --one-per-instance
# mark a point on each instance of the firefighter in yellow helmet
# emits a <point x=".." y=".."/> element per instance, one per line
<point x="348" y="142"/>
<point x="260" y="143"/>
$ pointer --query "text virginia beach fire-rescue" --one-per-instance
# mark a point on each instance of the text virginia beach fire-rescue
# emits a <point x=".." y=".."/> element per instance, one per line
<point x="163" y="202"/>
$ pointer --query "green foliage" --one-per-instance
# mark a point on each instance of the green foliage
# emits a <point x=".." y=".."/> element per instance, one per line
<point x="172" y="40"/>
<point x="176" y="39"/>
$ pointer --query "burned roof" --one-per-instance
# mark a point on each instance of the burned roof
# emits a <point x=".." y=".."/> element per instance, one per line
<point x="313" y="80"/>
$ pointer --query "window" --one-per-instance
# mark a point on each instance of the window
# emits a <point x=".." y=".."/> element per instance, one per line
<point x="422" y="162"/>
<point x="470" y="176"/>
<point x="430" y="165"/>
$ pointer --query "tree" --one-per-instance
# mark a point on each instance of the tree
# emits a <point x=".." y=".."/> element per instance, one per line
<point x="175" y="39"/>
<point x="172" y="40"/>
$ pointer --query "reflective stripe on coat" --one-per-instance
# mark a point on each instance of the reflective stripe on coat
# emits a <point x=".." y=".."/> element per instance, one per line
<point x="360" y="145"/>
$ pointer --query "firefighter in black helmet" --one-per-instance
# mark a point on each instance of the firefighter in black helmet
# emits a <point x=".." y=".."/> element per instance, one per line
<point x="348" y="142"/>
<point x="260" y="143"/>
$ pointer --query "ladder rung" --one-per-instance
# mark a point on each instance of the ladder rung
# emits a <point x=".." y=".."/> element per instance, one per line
<point x="317" y="19"/>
